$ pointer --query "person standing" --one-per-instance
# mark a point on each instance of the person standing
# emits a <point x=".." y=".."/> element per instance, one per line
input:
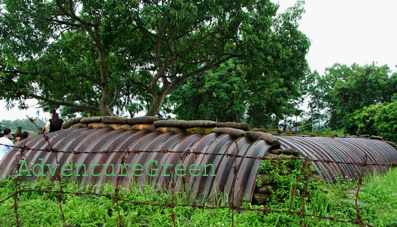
<point x="18" y="138"/>
<point x="25" y="135"/>
<point x="55" y="123"/>
<point x="5" y="141"/>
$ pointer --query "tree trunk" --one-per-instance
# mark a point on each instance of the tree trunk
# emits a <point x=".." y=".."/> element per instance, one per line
<point x="104" y="109"/>
<point x="158" y="99"/>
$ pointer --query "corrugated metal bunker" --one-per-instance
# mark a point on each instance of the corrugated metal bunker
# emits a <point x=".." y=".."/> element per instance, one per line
<point x="105" y="140"/>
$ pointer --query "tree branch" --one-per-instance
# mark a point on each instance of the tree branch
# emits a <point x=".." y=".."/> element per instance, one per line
<point x="51" y="101"/>
<point x="180" y="79"/>
<point x="158" y="44"/>
<point x="93" y="80"/>
<point x="160" y="72"/>
<point x="144" y="29"/>
<point x="139" y="83"/>
<point x="60" y="22"/>
<point x="71" y="14"/>
<point x="62" y="103"/>
<point x="197" y="42"/>
<point x="17" y="72"/>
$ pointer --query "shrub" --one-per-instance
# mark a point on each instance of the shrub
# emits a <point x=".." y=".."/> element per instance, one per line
<point x="375" y="120"/>
<point x="386" y="122"/>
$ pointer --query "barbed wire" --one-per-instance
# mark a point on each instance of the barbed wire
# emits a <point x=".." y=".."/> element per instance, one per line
<point x="189" y="151"/>
<point x="23" y="148"/>
<point x="232" y="206"/>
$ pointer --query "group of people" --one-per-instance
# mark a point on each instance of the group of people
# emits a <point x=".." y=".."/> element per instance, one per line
<point x="15" y="138"/>
<point x="5" y="142"/>
<point x="54" y="124"/>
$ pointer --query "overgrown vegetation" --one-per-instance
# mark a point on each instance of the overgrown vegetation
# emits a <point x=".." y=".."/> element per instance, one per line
<point x="375" y="201"/>
<point x="282" y="173"/>
<point x="375" y="120"/>
<point x="377" y="204"/>
<point x="350" y="98"/>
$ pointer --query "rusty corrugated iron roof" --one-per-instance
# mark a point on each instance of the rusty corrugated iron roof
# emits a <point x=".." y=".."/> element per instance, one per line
<point x="106" y="139"/>
<point x="347" y="150"/>
<point x="95" y="144"/>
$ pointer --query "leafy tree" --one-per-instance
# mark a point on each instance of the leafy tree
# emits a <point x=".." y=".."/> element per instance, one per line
<point x="218" y="95"/>
<point x="97" y="56"/>
<point x="56" y="53"/>
<point x="186" y="40"/>
<point x="276" y="90"/>
<point x="261" y="89"/>
<point x="314" y="95"/>
<point x="347" y="89"/>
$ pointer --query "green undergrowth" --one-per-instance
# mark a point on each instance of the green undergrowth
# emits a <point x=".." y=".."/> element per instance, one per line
<point x="377" y="204"/>
<point x="376" y="201"/>
<point x="325" y="132"/>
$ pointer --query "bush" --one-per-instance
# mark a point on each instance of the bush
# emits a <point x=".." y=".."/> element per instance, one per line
<point x="386" y="122"/>
<point x="375" y="120"/>
<point x="363" y="121"/>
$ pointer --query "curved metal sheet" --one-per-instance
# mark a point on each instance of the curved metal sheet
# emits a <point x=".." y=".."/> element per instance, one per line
<point x="347" y="150"/>
<point x="107" y="164"/>
<point x="216" y="171"/>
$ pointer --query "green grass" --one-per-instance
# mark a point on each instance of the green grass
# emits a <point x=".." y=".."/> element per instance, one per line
<point x="377" y="204"/>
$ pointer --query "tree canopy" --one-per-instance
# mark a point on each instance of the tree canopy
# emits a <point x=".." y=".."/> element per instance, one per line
<point x="219" y="95"/>
<point x="106" y="57"/>
<point x="342" y="90"/>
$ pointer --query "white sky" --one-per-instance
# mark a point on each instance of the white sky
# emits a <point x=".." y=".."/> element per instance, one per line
<point x="16" y="113"/>
<point x="348" y="31"/>
<point x="344" y="31"/>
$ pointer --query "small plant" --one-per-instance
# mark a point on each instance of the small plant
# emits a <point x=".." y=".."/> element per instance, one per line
<point x="283" y="175"/>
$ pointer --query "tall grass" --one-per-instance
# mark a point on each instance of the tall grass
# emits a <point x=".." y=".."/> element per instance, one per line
<point x="377" y="203"/>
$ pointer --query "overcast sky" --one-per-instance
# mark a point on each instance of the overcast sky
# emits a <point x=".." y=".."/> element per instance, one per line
<point x="344" y="31"/>
<point x="348" y="31"/>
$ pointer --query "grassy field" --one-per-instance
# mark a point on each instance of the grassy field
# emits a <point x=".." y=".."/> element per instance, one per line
<point x="377" y="204"/>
